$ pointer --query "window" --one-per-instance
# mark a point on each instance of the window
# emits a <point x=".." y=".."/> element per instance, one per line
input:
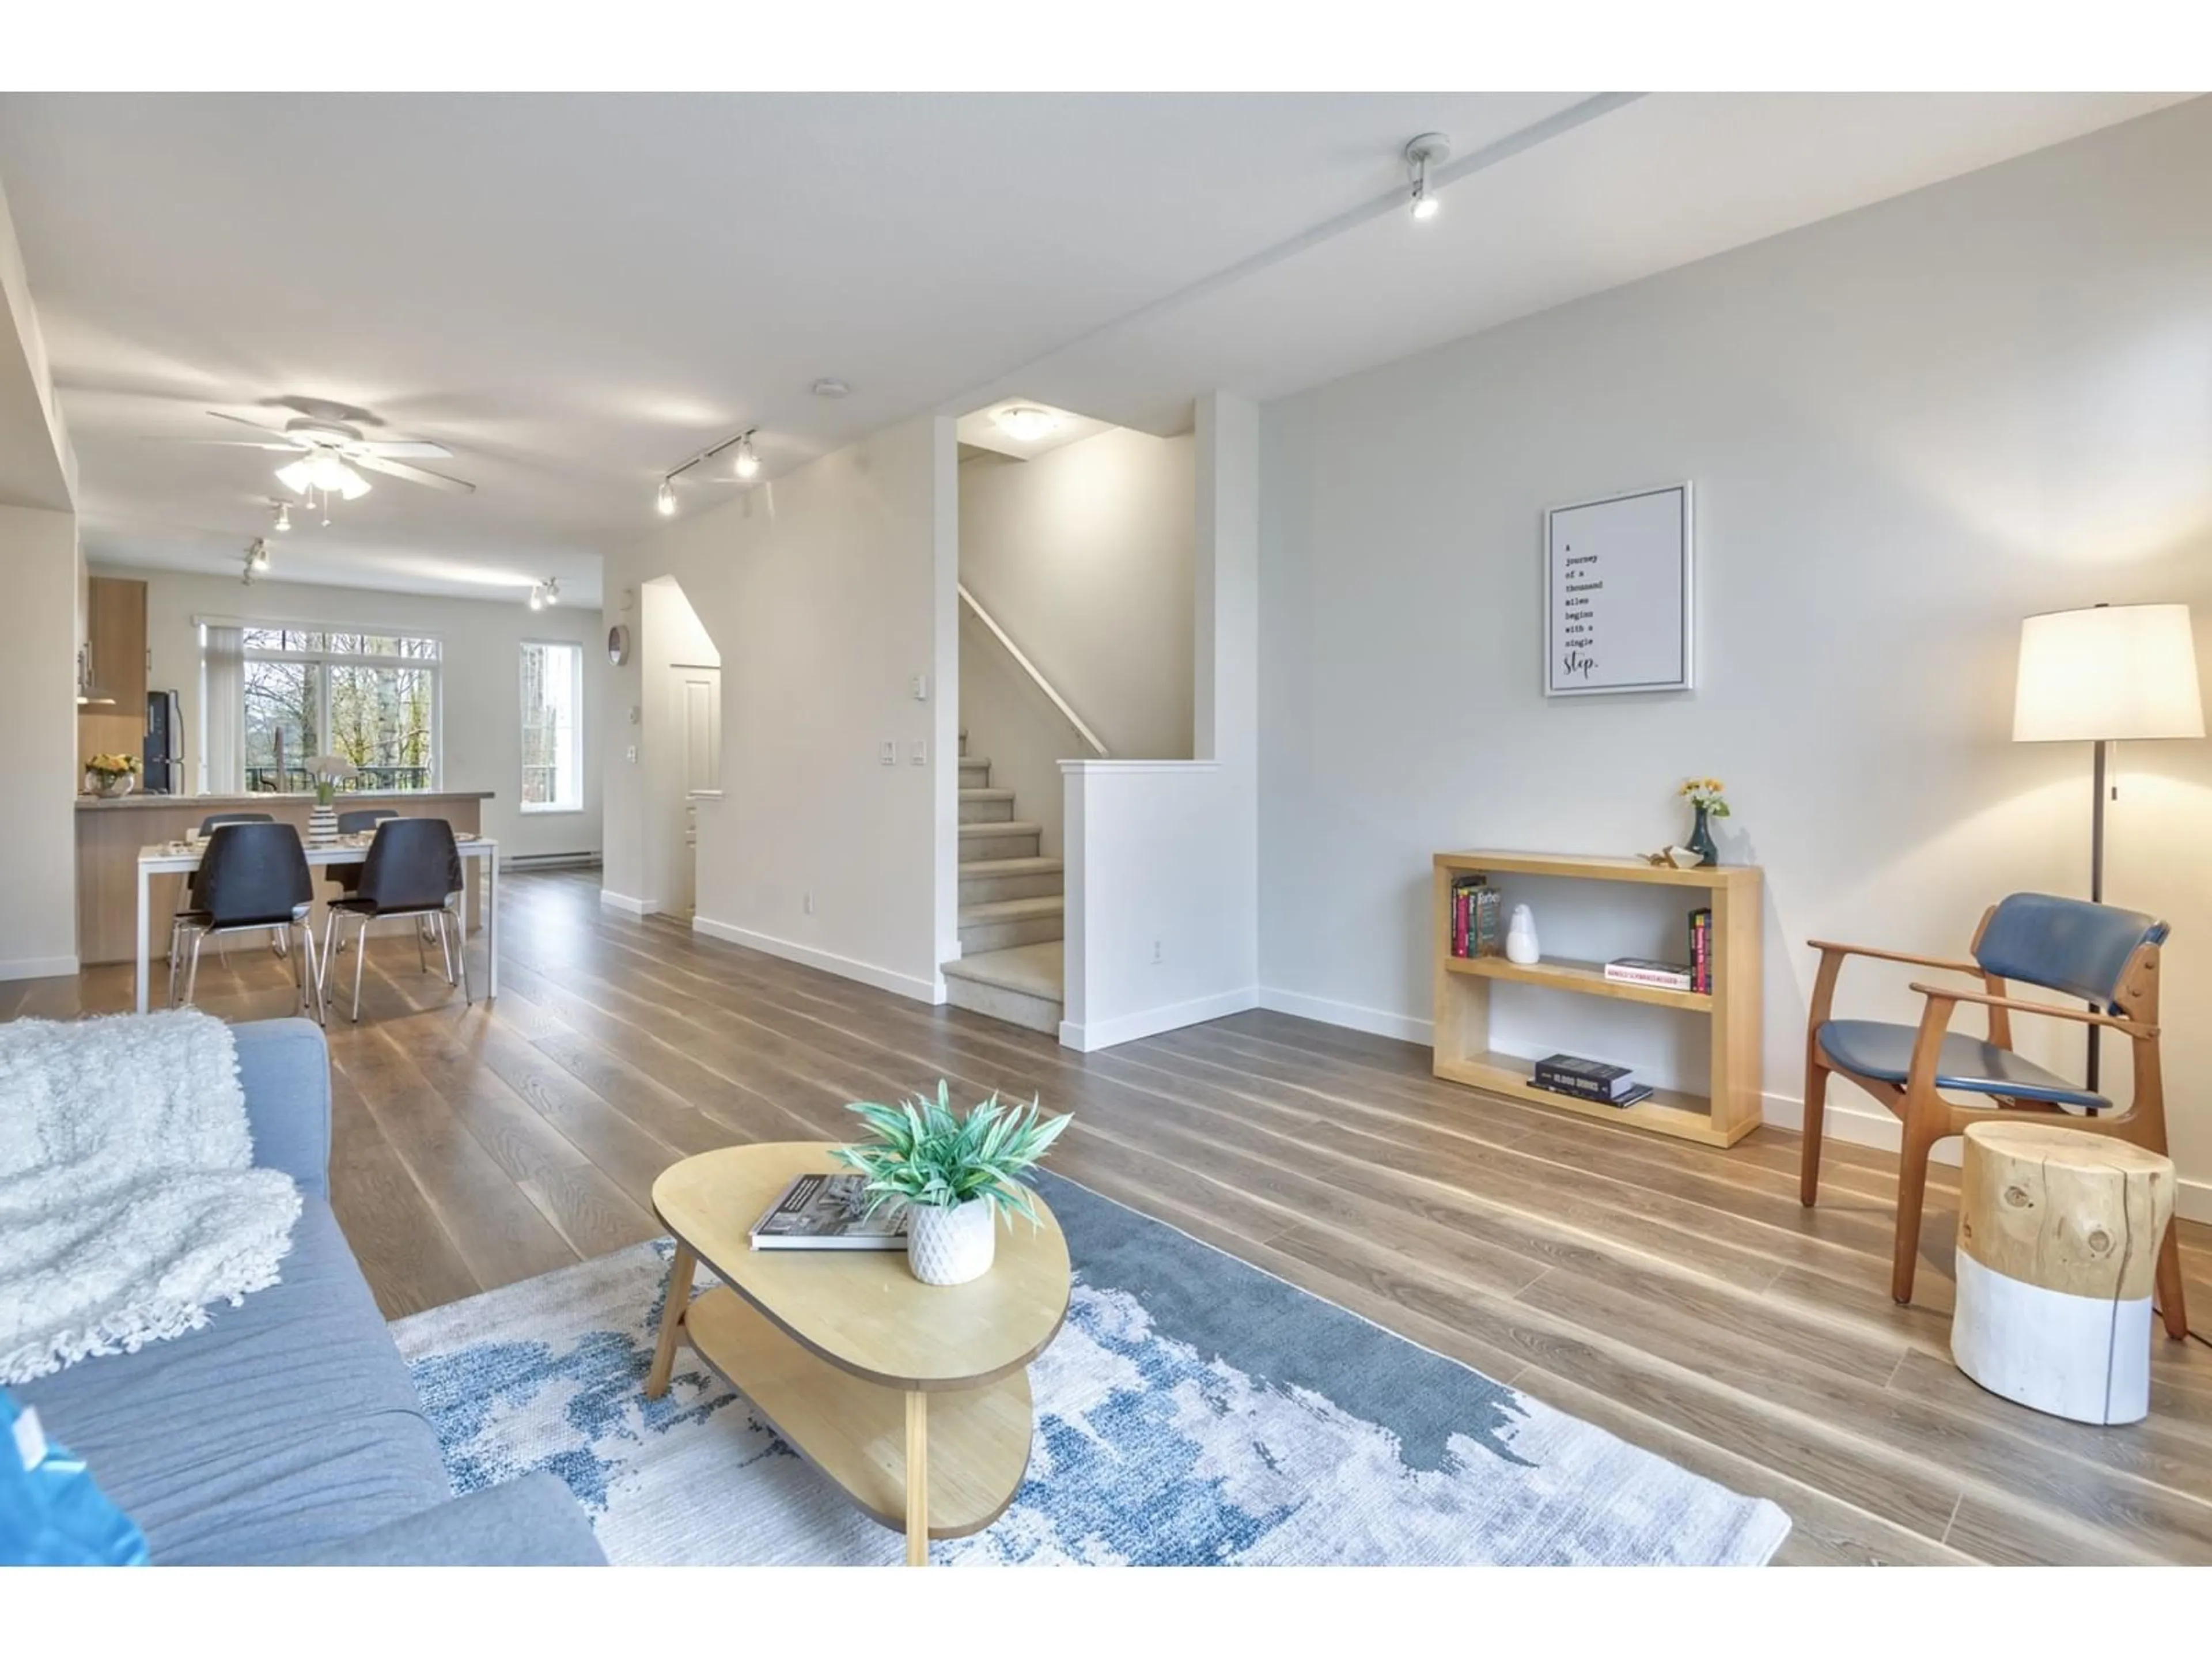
<point x="552" y="735"/>
<point x="304" y="691"/>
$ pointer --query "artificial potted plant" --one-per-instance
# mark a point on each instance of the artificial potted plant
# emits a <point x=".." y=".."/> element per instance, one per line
<point x="1704" y="795"/>
<point x="954" y="1175"/>
<point x="328" y="771"/>
<point x="112" y="774"/>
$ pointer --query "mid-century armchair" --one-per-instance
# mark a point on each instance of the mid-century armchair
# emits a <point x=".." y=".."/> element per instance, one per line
<point x="2097" y="952"/>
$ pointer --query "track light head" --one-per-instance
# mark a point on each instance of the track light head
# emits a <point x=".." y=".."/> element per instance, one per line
<point x="747" y="464"/>
<point x="284" y="516"/>
<point x="664" y="502"/>
<point x="1428" y="150"/>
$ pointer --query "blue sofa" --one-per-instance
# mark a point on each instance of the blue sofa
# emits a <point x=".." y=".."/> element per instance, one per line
<point x="285" y="1430"/>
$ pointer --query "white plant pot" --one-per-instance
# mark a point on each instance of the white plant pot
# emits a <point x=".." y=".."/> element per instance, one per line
<point x="950" y="1247"/>
<point x="322" y="825"/>
<point x="1520" y="937"/>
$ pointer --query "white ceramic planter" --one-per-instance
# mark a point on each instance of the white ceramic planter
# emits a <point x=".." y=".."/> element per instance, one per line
<point x="322" y="825"/>
<point x="950" y="1247"/>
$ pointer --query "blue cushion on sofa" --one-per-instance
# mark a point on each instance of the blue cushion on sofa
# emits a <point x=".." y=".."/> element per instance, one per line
<point x="286" y="1425"/>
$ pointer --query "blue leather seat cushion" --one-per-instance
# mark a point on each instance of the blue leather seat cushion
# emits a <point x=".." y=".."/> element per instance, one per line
<point x="286" y="1424"/>
<point x="1972" y="1065"/>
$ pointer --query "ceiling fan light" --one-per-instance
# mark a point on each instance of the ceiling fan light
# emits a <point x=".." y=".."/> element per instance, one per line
<point x="298" y="477"/>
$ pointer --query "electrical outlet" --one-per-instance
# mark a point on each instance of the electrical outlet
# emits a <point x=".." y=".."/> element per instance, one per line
<point x="1156" y="953"/>
<point x="807" y="903"/>
<point x="888" y="753"/>
<point x="920" y="753"/>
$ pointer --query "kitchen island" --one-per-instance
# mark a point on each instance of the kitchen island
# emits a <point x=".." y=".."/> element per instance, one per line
<point x="109" y="832"/>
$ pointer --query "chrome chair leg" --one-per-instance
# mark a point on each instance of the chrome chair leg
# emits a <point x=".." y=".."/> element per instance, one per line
<point x="359" y="956"/>
<point x="421" y="959"/>
<point x="330" y="926"/>
<point x="192" y="979"/>
<point x="461" y="954"/>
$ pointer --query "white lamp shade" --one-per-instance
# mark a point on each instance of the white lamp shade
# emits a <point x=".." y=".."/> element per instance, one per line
<point x="2111" y="672"/>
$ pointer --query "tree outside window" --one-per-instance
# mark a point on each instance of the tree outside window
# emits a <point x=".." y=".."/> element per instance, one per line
<point x="552" y="735"/>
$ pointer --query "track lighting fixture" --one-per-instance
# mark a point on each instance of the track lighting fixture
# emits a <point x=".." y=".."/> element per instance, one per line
<point x="745" y="466"/>
<point x="545" y="593"/>
<point x="256" y="561"/>
<point x="1424" y="152"/>
<point x="283" y="516"/>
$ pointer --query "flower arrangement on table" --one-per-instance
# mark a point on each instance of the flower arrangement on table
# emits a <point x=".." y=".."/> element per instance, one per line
<point x="329" y="771"/>
<point x="953" y="1173"/>
<point x="1705" y="797"/>
<point x="111" y="772"/>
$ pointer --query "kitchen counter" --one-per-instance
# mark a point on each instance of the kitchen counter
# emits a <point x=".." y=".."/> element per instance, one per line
<point x="269" y="801"/>
<point x="109" y="832"/>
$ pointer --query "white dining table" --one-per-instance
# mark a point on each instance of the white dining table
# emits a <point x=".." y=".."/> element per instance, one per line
<point x="176" y="858"/>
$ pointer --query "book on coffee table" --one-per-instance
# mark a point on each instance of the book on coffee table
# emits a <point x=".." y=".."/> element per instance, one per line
<point x="828" y="1213"/>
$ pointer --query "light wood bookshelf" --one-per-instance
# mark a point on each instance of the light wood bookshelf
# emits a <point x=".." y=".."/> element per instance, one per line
<point x="1463" y="1053"/>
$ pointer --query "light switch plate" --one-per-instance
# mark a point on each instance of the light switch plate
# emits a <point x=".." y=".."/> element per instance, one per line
<point x="919" y="753"/>
<point x="920" y="687"/>
<point x="888" y="753"/>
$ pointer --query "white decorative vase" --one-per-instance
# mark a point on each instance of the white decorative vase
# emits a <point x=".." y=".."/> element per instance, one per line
<point x="322" y="825"/>
<point x="1520" y="937"/>
<point x="950" y="1247"/>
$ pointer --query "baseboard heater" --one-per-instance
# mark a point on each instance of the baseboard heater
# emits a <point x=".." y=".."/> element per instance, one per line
<point x="551" y="861"/>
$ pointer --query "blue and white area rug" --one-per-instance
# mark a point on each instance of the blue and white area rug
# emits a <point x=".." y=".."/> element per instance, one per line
<point x="1193" y="1411"/>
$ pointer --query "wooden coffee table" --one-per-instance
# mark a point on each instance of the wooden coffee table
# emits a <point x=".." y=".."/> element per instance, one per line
<point x="913" y="1398"/>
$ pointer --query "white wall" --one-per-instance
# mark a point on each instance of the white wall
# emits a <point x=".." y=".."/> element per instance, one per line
<point x="1909" y="428"/>
<point x="1085" y="555"/>
<point x="825" y="592"/>
<point x="38" y="744"/>
<point x="672" y="638"/>
<point x="480" y="685"/>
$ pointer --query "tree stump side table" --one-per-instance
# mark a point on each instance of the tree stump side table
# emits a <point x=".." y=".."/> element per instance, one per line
<point x="2058" y="1238"/>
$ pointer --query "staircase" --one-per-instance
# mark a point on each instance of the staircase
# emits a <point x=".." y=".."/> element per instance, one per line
<point x="1011" y="965"/>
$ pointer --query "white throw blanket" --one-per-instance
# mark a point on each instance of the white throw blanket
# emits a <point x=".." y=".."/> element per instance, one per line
<point x="128" y="1201"/>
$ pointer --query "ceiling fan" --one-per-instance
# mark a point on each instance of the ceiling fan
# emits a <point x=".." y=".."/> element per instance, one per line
<point x="330" y="455"/>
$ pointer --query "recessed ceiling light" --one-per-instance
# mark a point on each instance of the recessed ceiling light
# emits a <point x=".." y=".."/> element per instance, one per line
<point x="1025" y="422"/>
<point x="830" y="388"/>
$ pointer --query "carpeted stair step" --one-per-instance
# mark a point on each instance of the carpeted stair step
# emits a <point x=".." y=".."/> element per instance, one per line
<point x="1008" y="922"/>
<point x="992" y="879"/>
<point x="987" y="805"/>
<point x="1024" y="986"/>
<point x="1009" y="838"/>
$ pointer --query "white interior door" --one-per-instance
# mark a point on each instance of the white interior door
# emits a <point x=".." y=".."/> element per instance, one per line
<point x="699" y="692"/>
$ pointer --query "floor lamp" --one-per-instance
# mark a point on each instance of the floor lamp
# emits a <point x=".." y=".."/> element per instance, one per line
<point x="2100" y="676"/>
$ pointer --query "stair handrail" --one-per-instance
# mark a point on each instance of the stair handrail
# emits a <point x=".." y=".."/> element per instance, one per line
<point x="1030" y="669"/>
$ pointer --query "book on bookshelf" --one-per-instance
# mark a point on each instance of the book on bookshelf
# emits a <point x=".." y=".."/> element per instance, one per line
<point x="1591" y="1079"/>
<point x="828" y="1213"/>
<point x="1474" y="913"/>
<point x="1701" y="951"/>
<point x="1643" y="970"/>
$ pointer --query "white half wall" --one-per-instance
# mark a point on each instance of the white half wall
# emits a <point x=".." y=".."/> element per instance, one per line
<point x="1909" y="426"/>
<point x="824" y="593"/>
<point x="480" y="687"/>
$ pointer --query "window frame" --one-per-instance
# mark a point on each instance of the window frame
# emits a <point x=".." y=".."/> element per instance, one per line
<point x="523" y="803"/>
<point x="323" y="662"/>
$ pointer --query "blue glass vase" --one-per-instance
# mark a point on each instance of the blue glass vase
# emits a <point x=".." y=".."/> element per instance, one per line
<point x="1701" y="840"/>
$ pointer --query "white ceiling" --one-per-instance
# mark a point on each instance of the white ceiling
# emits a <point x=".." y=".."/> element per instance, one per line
<point x="576" y="292"/>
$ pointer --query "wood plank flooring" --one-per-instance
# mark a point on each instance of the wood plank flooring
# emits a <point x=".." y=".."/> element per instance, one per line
<point x="1678" y="1296"/>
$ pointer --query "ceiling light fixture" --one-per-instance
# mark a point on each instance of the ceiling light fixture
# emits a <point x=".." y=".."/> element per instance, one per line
<point x="1025" y="422"/>
<point x="552" y="590"/>
<point x="828" y="387"/>
<point x="745" y="467"/>
<point x="283" y="514"/>
<point x="545" y="594"/>
<point x="256" y="561"/>
<point x="324" y="474"/>
<point x="1424" y="152"/>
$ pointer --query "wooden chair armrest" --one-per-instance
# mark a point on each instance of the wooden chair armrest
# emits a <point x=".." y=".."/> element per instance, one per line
<point x="1949" y="966"/>
<point x="2056" y="1011"/>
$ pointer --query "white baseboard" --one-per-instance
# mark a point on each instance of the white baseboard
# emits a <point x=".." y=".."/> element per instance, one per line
<point x="1375" y="1022"/>
<point x="38" y="968"/>
<point x="1151" y="1022"/>
<point x="624" y="902"/>
<point x="868" y="973"/>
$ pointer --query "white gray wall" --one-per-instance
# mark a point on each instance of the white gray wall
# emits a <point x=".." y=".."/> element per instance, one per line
<point x="1909" y="428"/>
<point x="39" y="756"/>
<point x="480" y="690"/>
<point x="825" y="592"/>
<point x="1083" y="556"/>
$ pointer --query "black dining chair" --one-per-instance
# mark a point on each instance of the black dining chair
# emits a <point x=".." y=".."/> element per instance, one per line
<point x="347" y="875"/>
<point x="209" y="825"/>
<point x="413" y="869"/>
<point x="254" y="876"/>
